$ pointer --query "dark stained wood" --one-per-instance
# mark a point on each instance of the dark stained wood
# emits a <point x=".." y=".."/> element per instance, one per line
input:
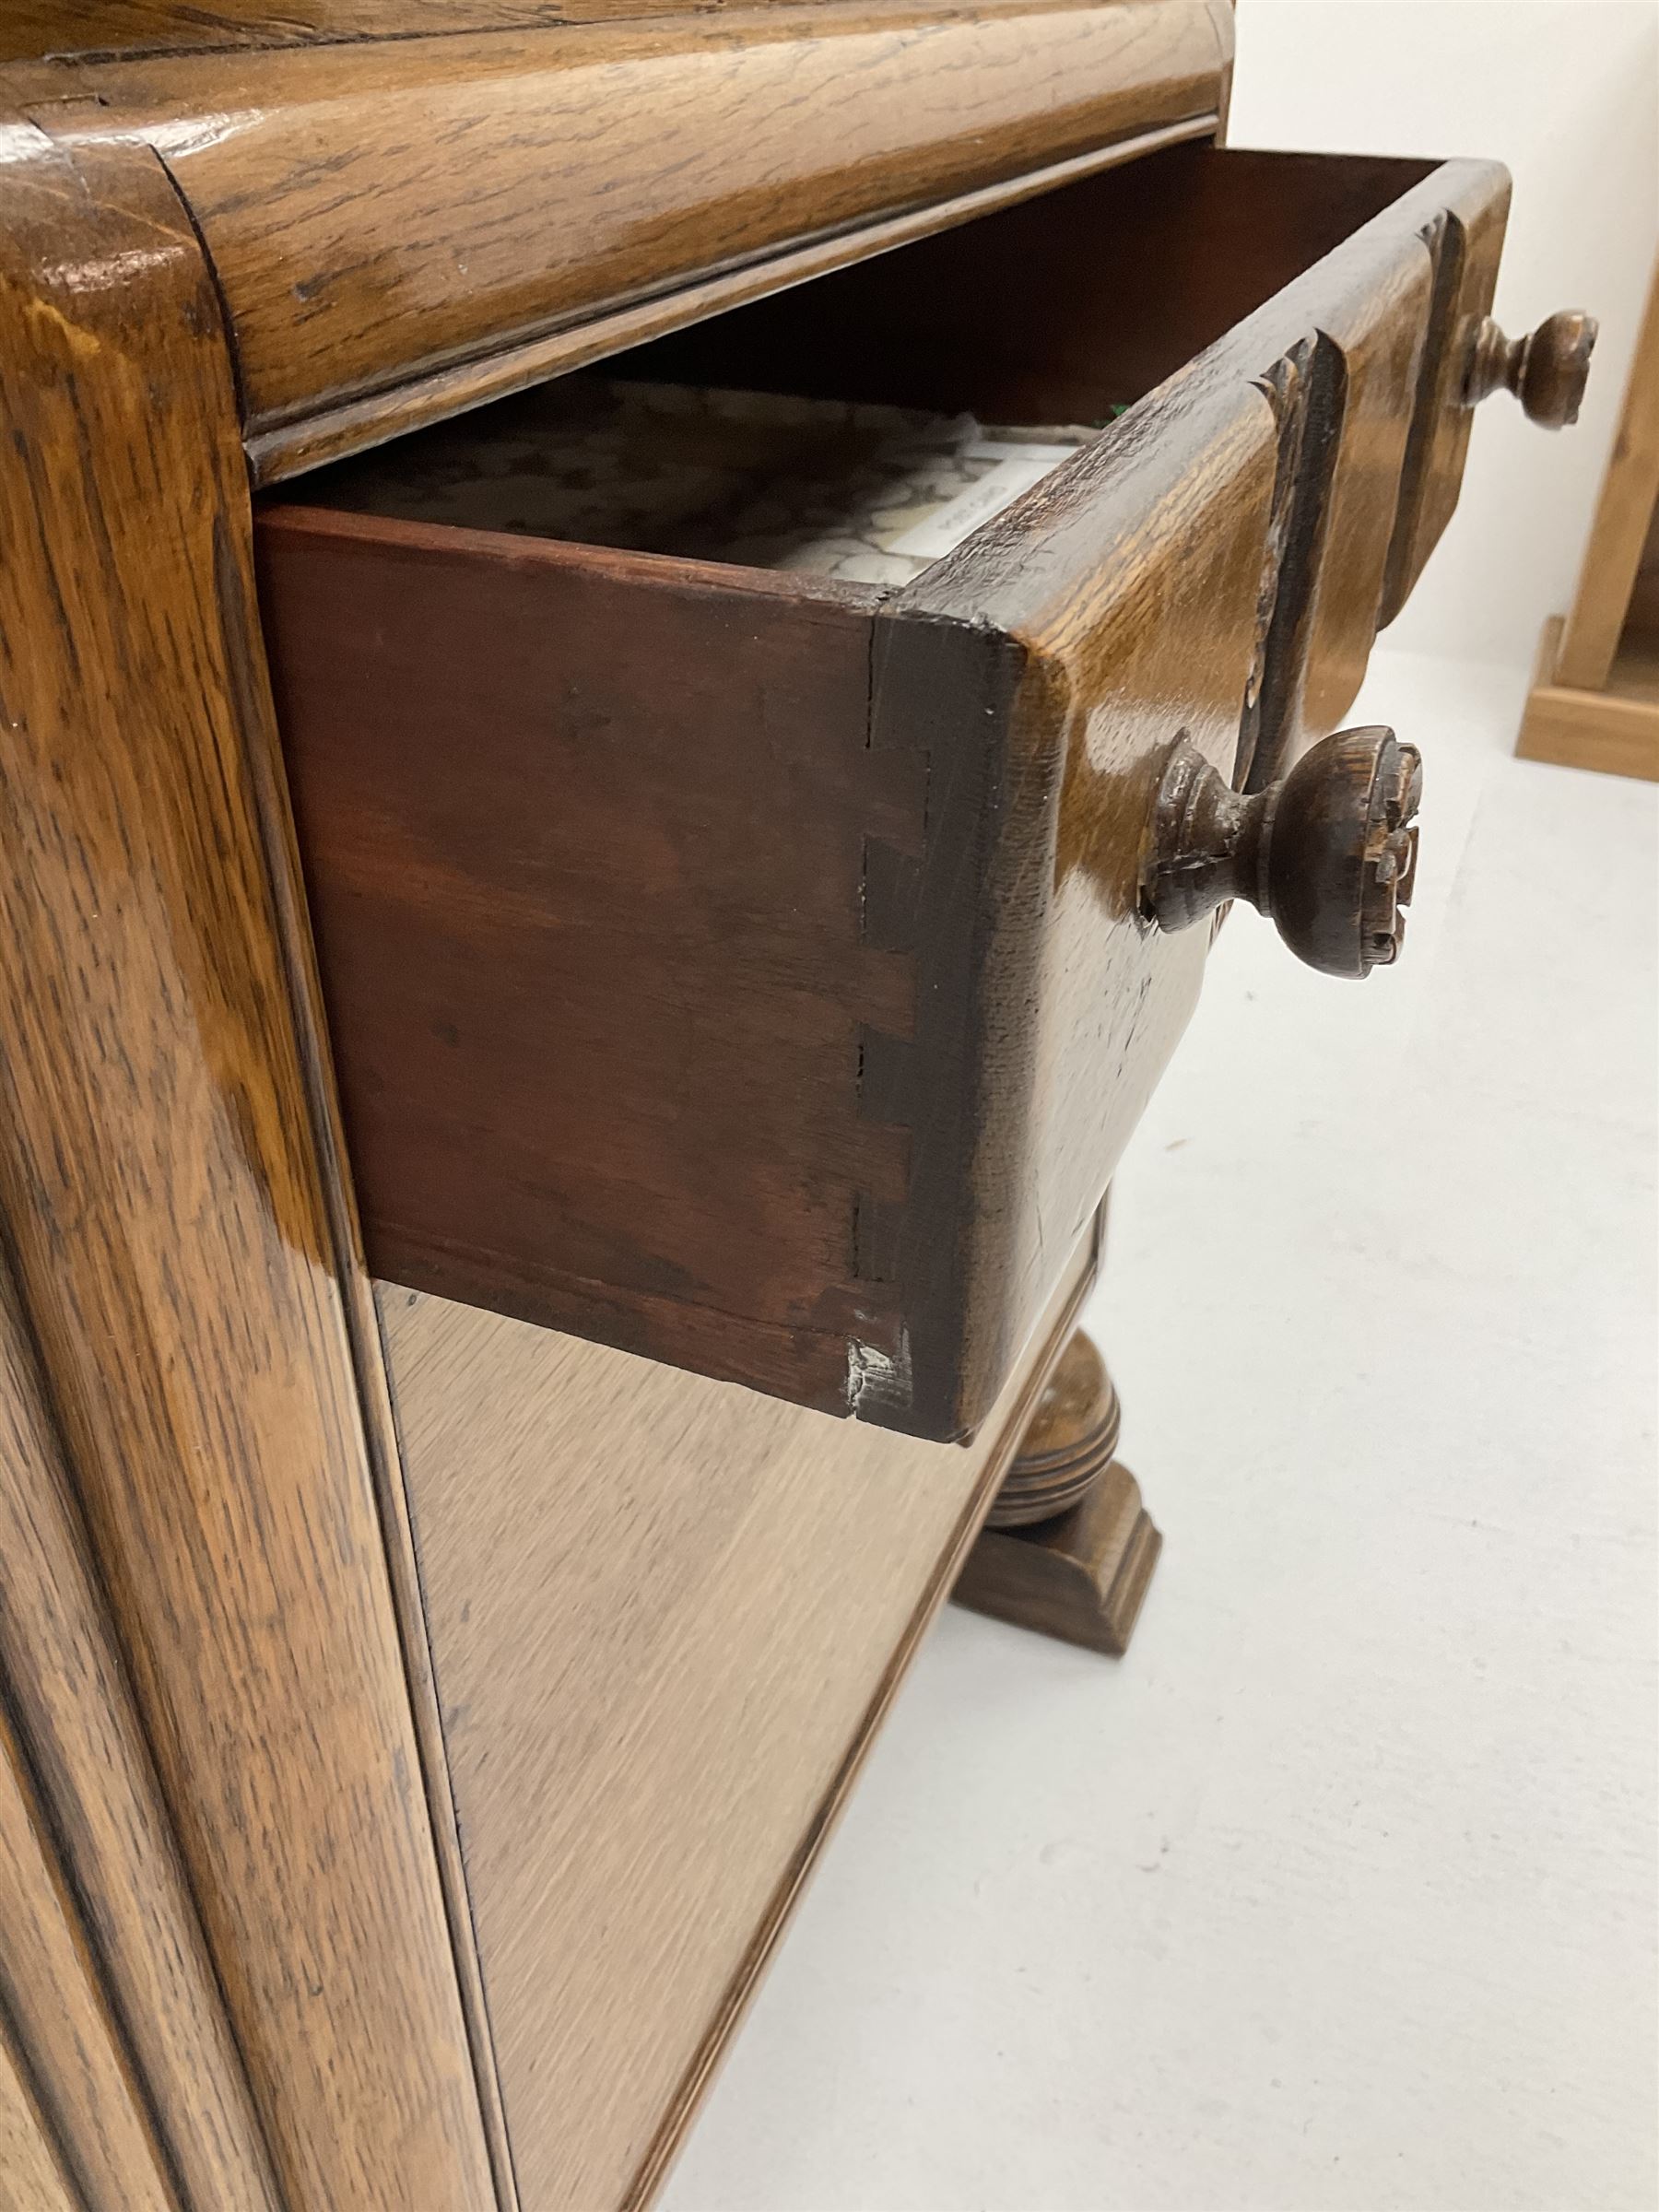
<point x="1038" y="312"/>
<point x="1127" y="279"/>
<point x="1329" y="853"/>
<point x="598" y="1041"/>
<point x="165" y="1182"/>
<point x="757" y="973"/>
<point x="1131" y="591"/>
<point x="1463" y="237"/>
<point x="1113" y="286"/>
<point x="1068" y="1548"/>
<point x="1068" y="1444"/>
<point x="1546" y="368"/>
<point x="1082" y="1577"/>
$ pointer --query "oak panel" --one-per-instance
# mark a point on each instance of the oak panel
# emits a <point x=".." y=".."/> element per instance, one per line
<point x="666" y="1616"/>
<point x="63" y="1681"/>
<point x="377" y="212"/>
<point x="163" y="1184"/>
<point x="57" y="2019"/>
<point x="37" y="28"/>
<point x="34" y="2173"/>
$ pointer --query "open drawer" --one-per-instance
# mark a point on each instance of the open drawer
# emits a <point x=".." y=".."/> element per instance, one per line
<point x="758" y="969"/>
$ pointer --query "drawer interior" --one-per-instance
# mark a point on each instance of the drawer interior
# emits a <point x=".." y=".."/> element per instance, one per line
<point x="859" y="426"/>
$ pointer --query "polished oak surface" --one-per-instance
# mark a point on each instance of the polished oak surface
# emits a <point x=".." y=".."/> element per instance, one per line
<point x="379" y="215"/>
<point x="56" y="2015"/>
<point x="169" y="1186"/>
<point x="93" y="1785"/>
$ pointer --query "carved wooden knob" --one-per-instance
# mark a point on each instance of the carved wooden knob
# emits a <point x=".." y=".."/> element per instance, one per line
<point x="1329" y="852"/>
<point x="1547" y="370"/>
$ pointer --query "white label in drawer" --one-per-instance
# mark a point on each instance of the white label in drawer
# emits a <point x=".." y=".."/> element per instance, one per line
<point x="947" y="526"/>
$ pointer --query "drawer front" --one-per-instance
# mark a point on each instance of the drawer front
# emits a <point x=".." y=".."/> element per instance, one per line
<point x="757" y="972"/>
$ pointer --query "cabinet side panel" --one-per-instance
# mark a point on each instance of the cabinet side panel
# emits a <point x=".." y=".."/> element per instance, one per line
<point x="667" y="1615"/>
<point x="163" y="1168"/>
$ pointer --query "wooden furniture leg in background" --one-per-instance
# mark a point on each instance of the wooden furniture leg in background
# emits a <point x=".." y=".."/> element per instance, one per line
<point x="1068" y="1548"/>
<point x="1595" y="697"/>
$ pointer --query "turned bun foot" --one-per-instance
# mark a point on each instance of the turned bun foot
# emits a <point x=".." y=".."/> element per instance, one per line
<point x="1068" y="1548"/>
<point x="1069" y="1443"/>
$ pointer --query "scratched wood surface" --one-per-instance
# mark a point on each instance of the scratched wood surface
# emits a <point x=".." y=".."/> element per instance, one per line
<point x="904" y="1008"/>
<point x="667" y="1615"/>
<point x="381" y="213"/>
<point x="163" y="1177"/>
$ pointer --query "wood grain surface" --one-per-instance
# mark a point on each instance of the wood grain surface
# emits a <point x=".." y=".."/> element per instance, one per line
<point x="35" y="2176"/>
<point x="1184" y="250"/>
<point x="64" y="1687"/>
<point x="667" y="1615"/>
<point x="698" y="989"/>
<point x="1464" y="236"/>
<point x="57" y="2021"/>
<point x="595" y="973"/>
<point x="41" y="30"/>
<point x="378" y="212"/>
<point x="162" y="1186"/>
<point x="1263" y="521"/>
<point x="1613" y="731"/>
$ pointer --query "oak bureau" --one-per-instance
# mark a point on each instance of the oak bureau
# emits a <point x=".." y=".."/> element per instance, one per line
<point x="639" y="649"/>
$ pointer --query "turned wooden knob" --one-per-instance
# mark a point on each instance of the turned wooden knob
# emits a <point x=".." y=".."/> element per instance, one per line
<point x="1547" y="370"/>
<point x="1328" y="854"/>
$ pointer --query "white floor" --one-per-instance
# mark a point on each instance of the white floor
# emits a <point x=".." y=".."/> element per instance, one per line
<point x="1339" y="1891"/>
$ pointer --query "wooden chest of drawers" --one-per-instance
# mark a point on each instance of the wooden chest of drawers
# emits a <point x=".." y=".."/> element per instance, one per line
<point x="757" y="973"/>
<point x="415" y="1721"/>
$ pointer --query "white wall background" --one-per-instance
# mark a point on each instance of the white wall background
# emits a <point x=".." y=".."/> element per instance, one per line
<point x="1566" y="93"/>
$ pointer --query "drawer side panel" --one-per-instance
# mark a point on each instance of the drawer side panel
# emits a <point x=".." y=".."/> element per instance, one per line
<point x="585" y="837"/>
